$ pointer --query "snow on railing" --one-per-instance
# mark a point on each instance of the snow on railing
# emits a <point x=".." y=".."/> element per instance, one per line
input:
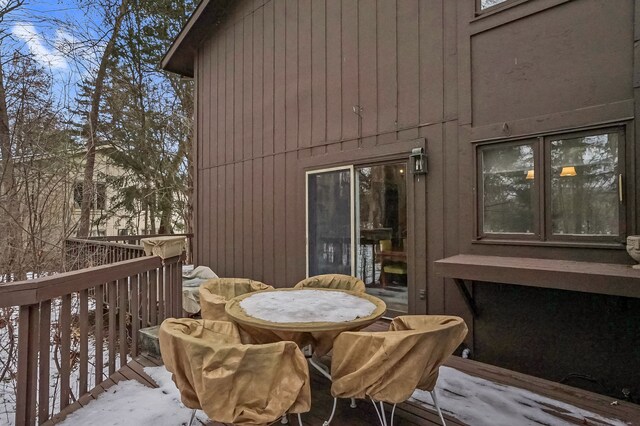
<point x="67" y="333"/>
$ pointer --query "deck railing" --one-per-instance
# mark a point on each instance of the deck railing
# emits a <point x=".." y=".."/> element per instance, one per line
<point x="85" y="253"/>
<point x="95" y="251"/>
<point x="75" y="329"/>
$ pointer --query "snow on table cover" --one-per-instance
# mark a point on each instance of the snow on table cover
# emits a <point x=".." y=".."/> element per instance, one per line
<point x="306" y="306"/>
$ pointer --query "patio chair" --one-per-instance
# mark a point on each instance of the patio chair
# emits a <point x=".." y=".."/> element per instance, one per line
<point x="215" y="293"/>
<point x="388" y="366"/>
<point x="333" y="281"/>
<point x="232" y="382"/>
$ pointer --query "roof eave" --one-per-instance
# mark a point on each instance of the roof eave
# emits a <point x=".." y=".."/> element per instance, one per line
<point x="180" y="57"/>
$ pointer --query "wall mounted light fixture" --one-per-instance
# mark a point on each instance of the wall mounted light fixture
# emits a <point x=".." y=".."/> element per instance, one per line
<point x="418" y="161"/>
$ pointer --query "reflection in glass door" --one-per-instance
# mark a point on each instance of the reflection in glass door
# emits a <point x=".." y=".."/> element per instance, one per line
<point x="381" y="224"/>
<point x="329" y="222"/>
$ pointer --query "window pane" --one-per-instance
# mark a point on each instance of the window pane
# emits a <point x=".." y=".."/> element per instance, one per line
<point x="329" y="223"/>
<point x="485" y="4"/>
<point x="77" y="195"/>
<point x="508" y="189"/>
<point x="101" y="196"/>
<point x="382" y="233"/>
<point x="584" y="186"/>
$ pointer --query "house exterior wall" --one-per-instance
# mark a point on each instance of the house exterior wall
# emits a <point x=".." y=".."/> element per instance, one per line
<point x="277" y="84"/>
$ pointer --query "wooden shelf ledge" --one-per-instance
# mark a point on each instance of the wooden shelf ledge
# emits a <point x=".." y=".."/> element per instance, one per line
<point x="588" y="277"/>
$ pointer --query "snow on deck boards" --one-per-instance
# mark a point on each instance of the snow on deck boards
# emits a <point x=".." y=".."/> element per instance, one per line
<point x="553" y="398"/>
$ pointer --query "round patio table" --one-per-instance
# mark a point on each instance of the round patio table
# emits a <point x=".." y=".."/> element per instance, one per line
<point x="281" y="309"/>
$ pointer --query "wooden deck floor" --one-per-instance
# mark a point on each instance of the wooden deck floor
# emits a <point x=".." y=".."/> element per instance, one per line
<point x="408" y="413"/>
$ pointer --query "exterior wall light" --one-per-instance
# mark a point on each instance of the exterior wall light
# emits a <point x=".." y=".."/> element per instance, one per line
<point x="418" y="161"/>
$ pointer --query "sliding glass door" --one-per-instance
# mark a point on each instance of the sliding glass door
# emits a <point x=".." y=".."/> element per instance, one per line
<point x="357" y="225"/>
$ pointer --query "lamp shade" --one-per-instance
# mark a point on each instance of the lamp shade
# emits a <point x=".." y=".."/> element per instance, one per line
<point x="530" y="175"/>
<point x="568" y="171"/>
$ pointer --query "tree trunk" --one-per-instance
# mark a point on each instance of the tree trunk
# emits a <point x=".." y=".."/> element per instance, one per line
<point x="92" y="127"/>
<point x="8" y="196"/>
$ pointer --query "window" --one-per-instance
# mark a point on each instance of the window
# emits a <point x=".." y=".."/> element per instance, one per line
<point x="100" y="196"/>
<point x="77" y="195"/>
<point x="508" y="201"/>
<point x="561" y="187"/>
<point x="486" y="4"/>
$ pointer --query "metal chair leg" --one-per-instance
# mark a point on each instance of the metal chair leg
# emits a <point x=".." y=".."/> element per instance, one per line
<point x="333" y="411"/>
<point x="284" y="420"/>
<point x="393" y="412"/>
<point x="299" y="419"/>
<point x="381" y="417"/>
<point x="353" y="403"/>
<point x="193" y="416"/>
<point x="435" y="402"/>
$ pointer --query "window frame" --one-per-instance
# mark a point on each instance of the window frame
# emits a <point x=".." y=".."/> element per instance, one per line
<point x="542" y="187"/>
<point x="506" y="3"/>
<point x="547" y="193"/>
<point x="480" y="233"/>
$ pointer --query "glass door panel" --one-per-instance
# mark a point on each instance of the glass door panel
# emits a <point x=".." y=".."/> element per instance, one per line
<point x="381" y="236"/>
<point x="329" y="222"/>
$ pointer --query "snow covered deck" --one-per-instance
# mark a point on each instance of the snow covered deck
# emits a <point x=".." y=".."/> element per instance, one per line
<point x="471" y="393"/>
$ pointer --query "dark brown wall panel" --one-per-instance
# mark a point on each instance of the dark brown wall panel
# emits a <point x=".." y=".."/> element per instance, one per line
<point x="318" y="53"/>
<point x="408" y="63"/>
<point x="239" y="226"/>
<point x="387" y="75"/>
<point x="349" y="75"/>
<point x="280" y="221"/>
<point x="304" y="73"/>
<point x="334" y="70"/>
<point x="564" y="58"/>
<point x="368" y="66"/>
<point x="229" y="94"/>
<point x="291" y="74"/>
<point x="238" y="88"/>
<point x="257" y="207"/>
<point x="268" y="78"/>
<point x="247" y="92"/>
<point x="257" y="83"/>
<point x="268" y="224"/>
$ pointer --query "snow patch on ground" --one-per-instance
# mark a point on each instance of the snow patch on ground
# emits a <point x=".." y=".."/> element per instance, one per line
<point x="480" y="402"/>
<point x="306" y="306"/>
<point x="130" y="403"/>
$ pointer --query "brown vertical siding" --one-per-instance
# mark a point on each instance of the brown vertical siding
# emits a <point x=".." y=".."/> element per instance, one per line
<point x="318" y="52"/>
<point x="283" y="76"/>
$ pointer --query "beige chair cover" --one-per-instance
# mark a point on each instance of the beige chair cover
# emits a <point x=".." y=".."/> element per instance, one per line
<point x="388" y="366"/>
<point x="232" y="382"/>
<point x="335" y="281"/>
<point x="215" y="293"/>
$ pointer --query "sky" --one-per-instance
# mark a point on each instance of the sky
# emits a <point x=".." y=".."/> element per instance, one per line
<point x="54" y="32"/>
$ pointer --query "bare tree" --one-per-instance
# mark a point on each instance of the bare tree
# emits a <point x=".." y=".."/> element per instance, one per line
<point x="91" y="128"/>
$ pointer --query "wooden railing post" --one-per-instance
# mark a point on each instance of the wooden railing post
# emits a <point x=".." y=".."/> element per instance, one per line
<point x="26" y="398"/>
